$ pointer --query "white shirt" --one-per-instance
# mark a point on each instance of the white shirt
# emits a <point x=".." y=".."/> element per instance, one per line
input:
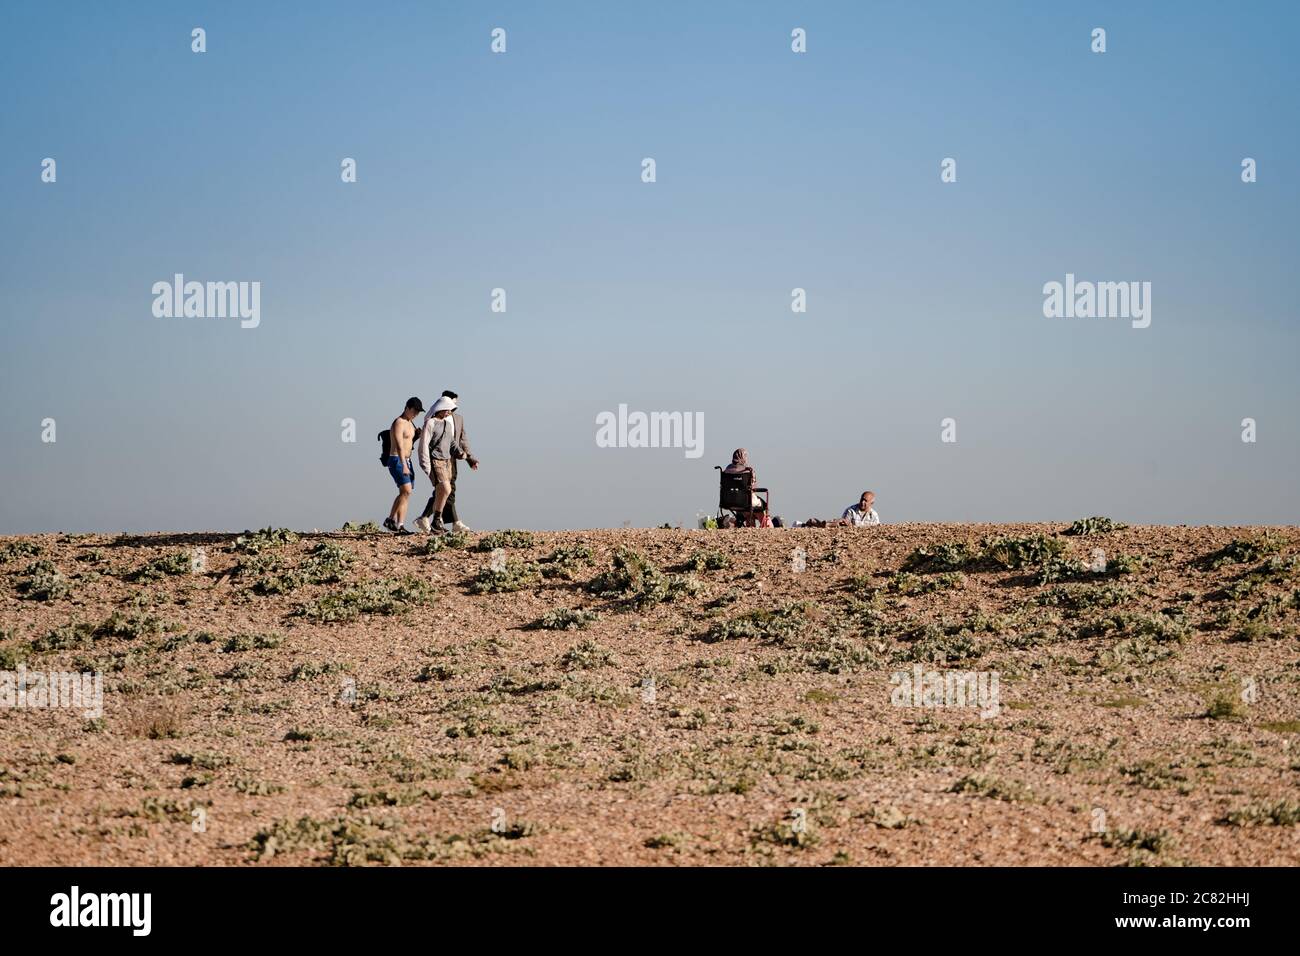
<point x="860" y="518"/>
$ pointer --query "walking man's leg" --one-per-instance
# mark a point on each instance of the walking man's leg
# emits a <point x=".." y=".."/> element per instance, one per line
<point x="442" y="490"/>
<point x="449" y="516"/>
<point x="403" y="499"/>
<point x="404" y="480"/>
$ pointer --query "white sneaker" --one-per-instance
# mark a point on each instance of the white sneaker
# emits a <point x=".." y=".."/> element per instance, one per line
<point x="460" y="526"/>
<point x="423" y="524"/>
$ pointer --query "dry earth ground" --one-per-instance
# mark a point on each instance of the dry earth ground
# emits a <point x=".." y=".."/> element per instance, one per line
<point x="347" y="698"/>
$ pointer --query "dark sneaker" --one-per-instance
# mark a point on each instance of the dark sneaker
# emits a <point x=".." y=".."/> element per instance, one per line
<point x="437" y="527"/>
<point x="403" y="530"/>
<point x="390" y="524"/>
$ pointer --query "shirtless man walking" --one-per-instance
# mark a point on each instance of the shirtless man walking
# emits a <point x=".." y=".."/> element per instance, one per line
<point x="401" y="436"/>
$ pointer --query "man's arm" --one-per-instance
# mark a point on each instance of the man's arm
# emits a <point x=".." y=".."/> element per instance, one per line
<point x="425" y="434"/>
<point x="462" y="442"/>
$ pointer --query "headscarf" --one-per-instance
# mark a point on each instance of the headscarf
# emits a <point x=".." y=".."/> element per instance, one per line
<point x="739" y="461"/>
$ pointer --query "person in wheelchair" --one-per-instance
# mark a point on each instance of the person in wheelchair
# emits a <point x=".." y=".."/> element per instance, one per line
<point x="737" y="493"/>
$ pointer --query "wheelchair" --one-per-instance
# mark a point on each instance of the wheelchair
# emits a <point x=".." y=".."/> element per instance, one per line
<point x="736" y="493"/>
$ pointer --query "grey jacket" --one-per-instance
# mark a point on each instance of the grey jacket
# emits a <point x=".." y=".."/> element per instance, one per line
<point x="462" y="440"/>
<point x="459" y="443"/>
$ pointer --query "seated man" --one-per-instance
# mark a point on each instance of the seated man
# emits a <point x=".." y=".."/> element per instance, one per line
<point x="863" y="513"/>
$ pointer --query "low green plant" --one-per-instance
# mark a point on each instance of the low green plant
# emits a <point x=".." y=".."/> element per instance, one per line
<point x="326" y="563"/>
<point x="508" y="538"/>
<point x="1095" y="525"/>
<point x="1060" y="568"/>
<point x="710" y="560"/>
<point x="1009" y="791"/>
<point x="1151" y="841"/>
<point x="635" y="578"/>
<point x="566" y="560"/>
<point x="19" y="549"/>
<point x="172" y="564"/>
<point x="129" y="626"/>
<point x="1158" y="627"/>
<point x="200" y="760"/>
<point x="70" y="636"/>
<point x="585" y="656"/>
<point x="566" y="619"/>
<point x="252" y="542"/>
<point x="514" y="575"/>
<point x="1243" y="551"/>
<point x="251" y="642"/>
<point x="365" y="527"/>
<point x="11" y="655"/>
<point x="936" y="645"/>
<point x="450" y="541"/>
<point x="385" y="596"/>
<point x="776" y="626"/>
<point x="904" y="582"/>
<point x="44" y="582"/>
<point x="1133" y="652"/>
<point x="1012" y="553"/>
<point x="954" y="556"/>
<point x="314" y="669"/>
<point x="1225" y="705"/>
<point x="1283" y="813"/>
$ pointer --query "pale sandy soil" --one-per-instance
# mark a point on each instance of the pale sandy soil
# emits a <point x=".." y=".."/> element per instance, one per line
<point x="454" y="731"/>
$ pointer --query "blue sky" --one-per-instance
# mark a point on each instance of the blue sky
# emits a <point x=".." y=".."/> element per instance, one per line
<point x="775" y="170"/>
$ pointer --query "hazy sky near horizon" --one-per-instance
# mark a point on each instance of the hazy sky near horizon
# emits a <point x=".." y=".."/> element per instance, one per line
<point x="523" y="171"/>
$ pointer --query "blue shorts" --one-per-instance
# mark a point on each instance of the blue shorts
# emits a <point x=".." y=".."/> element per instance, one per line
<point x="395" y="469"/>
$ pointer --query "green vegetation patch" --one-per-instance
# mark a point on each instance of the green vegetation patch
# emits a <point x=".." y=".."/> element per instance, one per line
<point x="508" y="538"/>
<point x="253" y="542"/>
<point x="1243" y="551"/>
<point x="1284" y="813"/>
<point x="434" y="543"/>
<point x="1012" y="553"/>
<point x="566" y="619"/>
<point x="776" y="626"/>
<point x="514" y="575"/>
<point x="387" y="596"/>
<point x="326" y="563"/>
<point x="44" y="582"/>
<point x="19" y="549"/>
<point x="635" y="578"/>
<point x="251" y="642"/>
<point x="1095" y="525"/>
<point x="168" y="565"/>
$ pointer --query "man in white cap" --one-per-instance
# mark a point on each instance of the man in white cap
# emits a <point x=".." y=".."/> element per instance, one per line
<point x="437" y="448"/>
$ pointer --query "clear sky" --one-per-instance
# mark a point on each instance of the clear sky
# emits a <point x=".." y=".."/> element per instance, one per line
<point x="775" y="170"/>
